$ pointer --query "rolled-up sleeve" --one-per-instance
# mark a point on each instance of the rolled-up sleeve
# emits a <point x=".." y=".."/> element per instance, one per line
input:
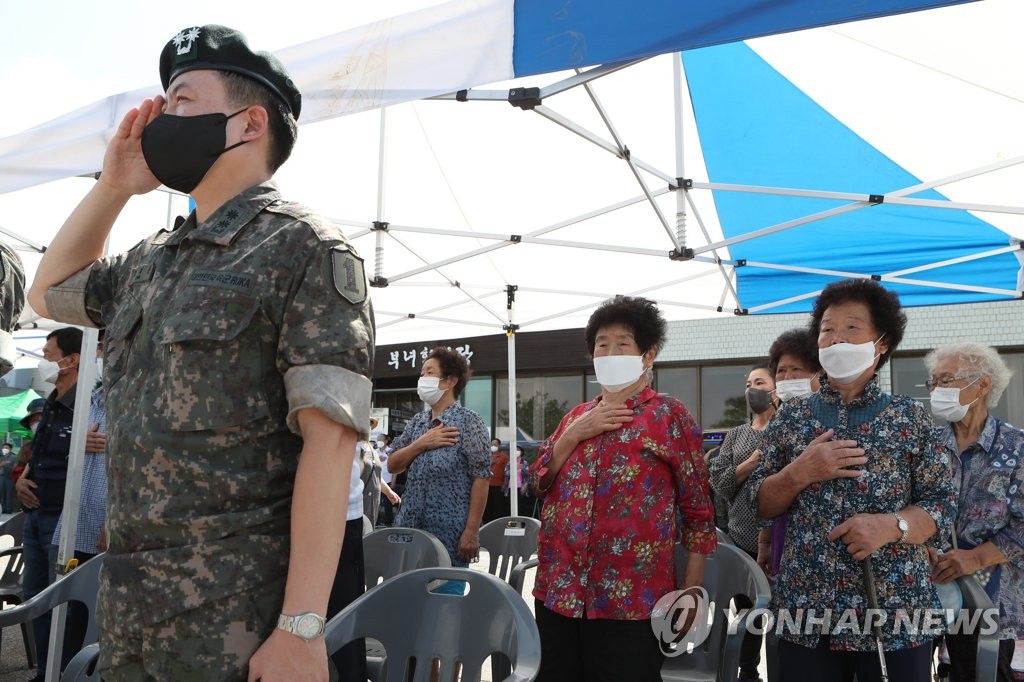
<point x="325" y="348"/>
<point x="342" y="395"/>
<point x="86" y="297"/>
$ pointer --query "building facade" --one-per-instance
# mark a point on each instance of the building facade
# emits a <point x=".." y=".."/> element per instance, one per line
<point x="704" y="363"/>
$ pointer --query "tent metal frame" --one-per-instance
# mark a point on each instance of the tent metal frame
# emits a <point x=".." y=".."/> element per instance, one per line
<point x="713" y="252"/>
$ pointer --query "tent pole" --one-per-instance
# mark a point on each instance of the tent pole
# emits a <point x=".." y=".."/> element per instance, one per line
<point x="73" y="488"/>
<point x="677" y="87"/>
<point x="513" y="439"/>
<point x="378" y="262"/>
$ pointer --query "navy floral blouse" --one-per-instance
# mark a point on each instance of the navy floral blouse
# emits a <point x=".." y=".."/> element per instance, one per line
<point x="439" y="481"/>
<point x="906" y="465"/>
<point x="990" y="476"/>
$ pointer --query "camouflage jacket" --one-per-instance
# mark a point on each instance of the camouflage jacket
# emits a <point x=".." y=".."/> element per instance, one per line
<point x="216" y="335"/>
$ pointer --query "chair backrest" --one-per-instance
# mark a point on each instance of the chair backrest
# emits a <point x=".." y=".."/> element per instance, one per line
<point x="84" y="666"/>
<point x="418" y="626"/>
<point x="80" y="586"/>
<point x="723" y="537"/>
<point x="14" y="527"/>
<point x="391" y="551"/>
<point x="13" y="561"/>
<point x="974" y="599"/>
<point x="729" y="573"/>
<point x="509" y="541"/>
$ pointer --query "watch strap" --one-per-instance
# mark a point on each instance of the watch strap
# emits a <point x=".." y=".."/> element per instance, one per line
<point x="291" y="624"/>
<point x="904" y="527"/>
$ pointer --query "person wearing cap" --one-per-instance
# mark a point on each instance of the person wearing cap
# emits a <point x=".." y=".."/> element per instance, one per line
<point x="31" y="422"/>
<point x="239" y="348"/>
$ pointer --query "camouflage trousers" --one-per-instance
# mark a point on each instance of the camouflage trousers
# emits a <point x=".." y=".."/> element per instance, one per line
<point x="212" y="642"/>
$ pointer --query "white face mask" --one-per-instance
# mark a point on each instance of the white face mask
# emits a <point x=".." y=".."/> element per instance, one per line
<point x="788" y="389"/>
<point x="844" y="362"/>
<point x="428" y="390"/>
<point x="616" y="372"/>
<point x="49" y="370"/>
<point x="945" y="404"/>
<point x="6" y="451"/>
<point x="381" y="444"/>
<point x="494" y="448"/>
<point x="34" y="427"/>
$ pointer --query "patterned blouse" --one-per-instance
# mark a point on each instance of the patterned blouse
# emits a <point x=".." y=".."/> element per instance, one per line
<point x="906" y="465"/>
<point x="609" y="522"/>
<point x="991" y="503"/>
<point x="739" y="443"/>
<point x="439" y="481"/>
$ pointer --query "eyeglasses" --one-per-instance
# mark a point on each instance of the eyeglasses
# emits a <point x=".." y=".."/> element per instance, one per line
<point x="944" y="381"/>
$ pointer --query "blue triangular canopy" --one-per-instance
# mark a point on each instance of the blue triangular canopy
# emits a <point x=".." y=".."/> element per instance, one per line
<point x="757" y="128"/>
<point x="554" y="35"/>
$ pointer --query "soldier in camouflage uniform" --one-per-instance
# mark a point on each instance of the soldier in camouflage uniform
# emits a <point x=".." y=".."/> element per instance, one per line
<point x="238" y="356"/>
<point x="12" y="300"/>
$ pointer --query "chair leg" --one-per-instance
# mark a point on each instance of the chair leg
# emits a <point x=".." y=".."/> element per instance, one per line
<point x="30" y="644"/>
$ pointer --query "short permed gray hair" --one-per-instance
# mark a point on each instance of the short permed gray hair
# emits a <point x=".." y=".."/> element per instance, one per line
<point x="977" y="359"/>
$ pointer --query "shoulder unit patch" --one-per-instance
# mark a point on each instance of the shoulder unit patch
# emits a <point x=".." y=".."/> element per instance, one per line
<point x="349" y="275"/>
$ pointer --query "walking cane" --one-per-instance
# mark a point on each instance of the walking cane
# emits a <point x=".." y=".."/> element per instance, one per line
<point x="869" y="584"/>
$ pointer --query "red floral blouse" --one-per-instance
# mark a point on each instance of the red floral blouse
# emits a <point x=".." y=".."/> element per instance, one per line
<point x="609" y="522"/>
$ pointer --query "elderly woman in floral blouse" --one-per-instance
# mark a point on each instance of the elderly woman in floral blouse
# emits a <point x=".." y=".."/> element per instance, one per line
<point x="861" y="475"/>
<point x="613" y="475"/>
<point x="967" y="379"/>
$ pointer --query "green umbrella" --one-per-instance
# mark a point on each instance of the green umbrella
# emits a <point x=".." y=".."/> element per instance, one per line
<point x="12" y="409"/>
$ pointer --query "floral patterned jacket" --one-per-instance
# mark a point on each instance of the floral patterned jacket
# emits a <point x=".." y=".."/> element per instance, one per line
<point x="906" y="465"/>
<point x="609" y="521"/>
<point x="990" y="476"/>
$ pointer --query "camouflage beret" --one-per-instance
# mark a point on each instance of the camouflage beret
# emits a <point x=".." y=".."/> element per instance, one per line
<point x="225" y="49"/>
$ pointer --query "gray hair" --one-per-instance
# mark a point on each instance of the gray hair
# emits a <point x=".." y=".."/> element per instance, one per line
<point x="978" y="360"/>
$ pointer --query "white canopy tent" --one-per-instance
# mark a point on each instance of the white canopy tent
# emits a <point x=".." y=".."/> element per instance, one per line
<point x="484" y="216"/>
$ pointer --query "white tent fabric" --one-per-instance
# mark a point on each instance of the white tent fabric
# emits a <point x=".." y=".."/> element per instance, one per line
<point x="481" y="199"/>
<point x="368" y="67"/>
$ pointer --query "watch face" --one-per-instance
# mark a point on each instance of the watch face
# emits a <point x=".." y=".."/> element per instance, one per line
<point x="903" y="525"/>
<point x="308" y="626"/>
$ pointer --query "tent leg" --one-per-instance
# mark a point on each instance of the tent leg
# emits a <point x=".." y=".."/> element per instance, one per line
<point x="513" y="439"/>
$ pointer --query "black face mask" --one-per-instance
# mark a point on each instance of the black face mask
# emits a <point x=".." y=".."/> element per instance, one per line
<point x="180" y="150"/>
<point x="758" y="400"/>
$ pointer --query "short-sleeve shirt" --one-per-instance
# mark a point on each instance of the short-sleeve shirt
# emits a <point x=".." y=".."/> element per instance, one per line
<point x="610" y="520"/>
<point x="217" y="335"/>
<point x="907" y="465"/>
<point x="439" y="481"/>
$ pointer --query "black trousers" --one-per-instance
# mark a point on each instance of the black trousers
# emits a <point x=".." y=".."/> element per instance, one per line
<point x="963" y="658"/>
<point x="821" y="664"/>
<point x="349" y="583"/>
<point x="582" y="650"/>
